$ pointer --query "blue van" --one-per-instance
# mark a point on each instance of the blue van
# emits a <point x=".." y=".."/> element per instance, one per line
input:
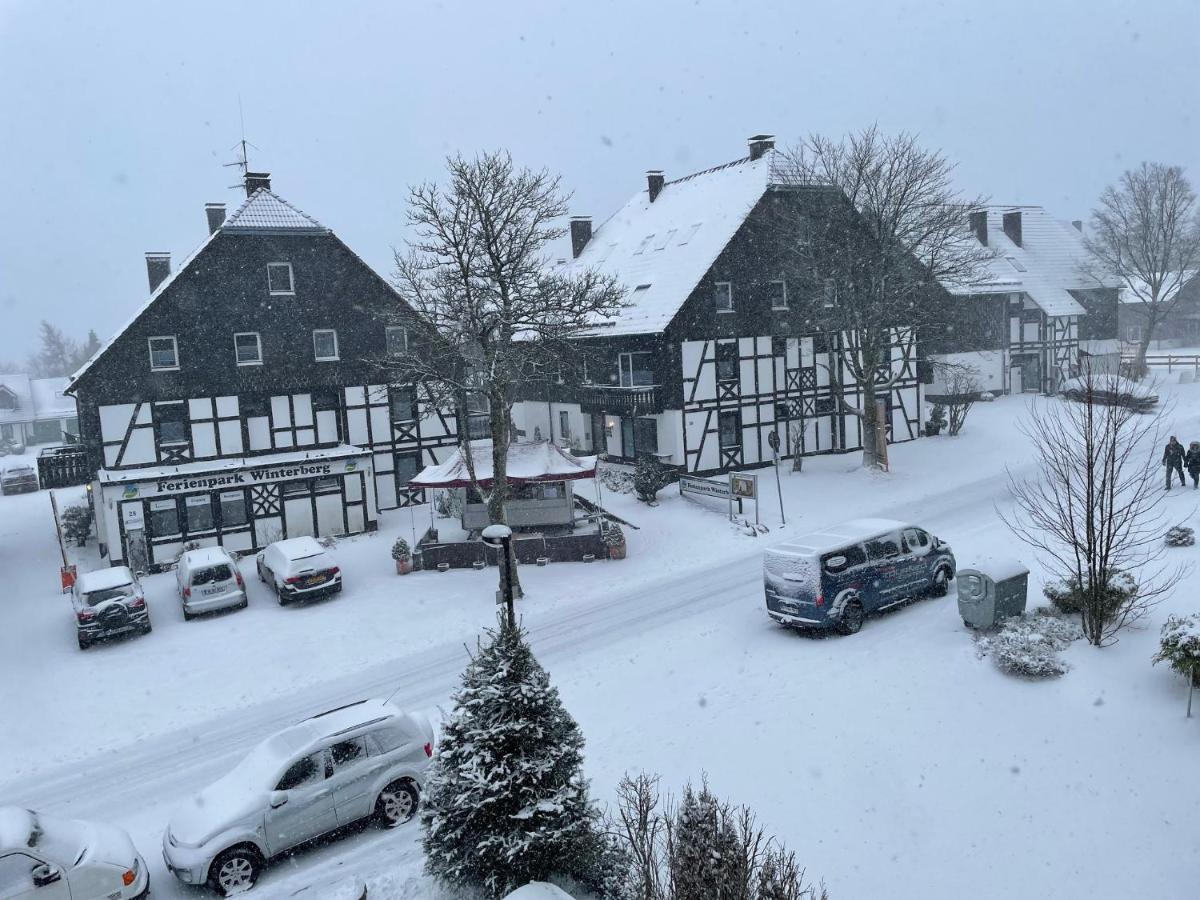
<point x="836" y="577"/>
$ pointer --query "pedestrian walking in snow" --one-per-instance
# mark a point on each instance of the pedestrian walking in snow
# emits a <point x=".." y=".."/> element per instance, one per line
<point x="1173" y="460"/>
<point x="1192" y="461"/>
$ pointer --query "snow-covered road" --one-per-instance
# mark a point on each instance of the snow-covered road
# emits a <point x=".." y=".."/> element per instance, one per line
<point x="140" y="784"/>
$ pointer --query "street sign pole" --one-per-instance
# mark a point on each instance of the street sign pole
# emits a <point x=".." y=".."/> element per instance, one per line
<point x="773" y="440"/>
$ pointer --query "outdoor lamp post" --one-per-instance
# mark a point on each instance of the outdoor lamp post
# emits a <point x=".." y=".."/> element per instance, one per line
<point x="501" y="536"/>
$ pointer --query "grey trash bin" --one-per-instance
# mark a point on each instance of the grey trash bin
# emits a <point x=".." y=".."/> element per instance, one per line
<point x="992" y="590"/>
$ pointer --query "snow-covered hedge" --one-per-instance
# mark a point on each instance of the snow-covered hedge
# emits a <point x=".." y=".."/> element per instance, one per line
<point x="1028" y="644"/>
<point x="1180" y="646"/>
<point x="1180" y="536"/>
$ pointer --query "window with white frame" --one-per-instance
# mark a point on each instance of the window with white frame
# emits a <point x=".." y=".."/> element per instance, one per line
<point x="325" y="344"/>
<point x="778" y="292"/>
<point x="830" y="294"/>
<point x="723" y="296"/>
<point x="396" y="337"/>
<point x="164" y="354"/>
<point x="247" y="348"/>
<point x="279" y="278"/>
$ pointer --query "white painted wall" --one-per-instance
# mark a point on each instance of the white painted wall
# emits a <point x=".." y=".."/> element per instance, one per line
<point x="990" y="363"/>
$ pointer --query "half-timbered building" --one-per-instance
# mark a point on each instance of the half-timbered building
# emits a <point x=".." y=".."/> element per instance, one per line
<point x="243" y="401"/>
<point x="1034" y="313"/>
<point x="717" y="349"/>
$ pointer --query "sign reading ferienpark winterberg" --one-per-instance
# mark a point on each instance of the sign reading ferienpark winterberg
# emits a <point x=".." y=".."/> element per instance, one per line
<point x="741" y="486"/>
<point x="706" y="487"/>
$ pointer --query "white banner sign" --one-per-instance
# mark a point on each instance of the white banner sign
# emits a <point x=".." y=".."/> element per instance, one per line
<point x="704" y="486"/>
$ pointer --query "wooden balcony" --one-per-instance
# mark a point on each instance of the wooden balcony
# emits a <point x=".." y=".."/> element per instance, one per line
<point x="644" y="400"/>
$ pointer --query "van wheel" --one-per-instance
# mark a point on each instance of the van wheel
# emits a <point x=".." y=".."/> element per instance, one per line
<point x="235" y="871"/>
<point x="941" y="583"/>
<point x="84" y="643"/>
<point x="852" y="617"/>
<point x="397" y="803"/>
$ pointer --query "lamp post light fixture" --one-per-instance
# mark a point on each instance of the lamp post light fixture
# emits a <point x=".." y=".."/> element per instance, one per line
<point x="501" y="536"/>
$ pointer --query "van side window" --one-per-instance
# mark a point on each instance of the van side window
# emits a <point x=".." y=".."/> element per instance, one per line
<point x="884" y="547"/>
<point x="841" y="560"/>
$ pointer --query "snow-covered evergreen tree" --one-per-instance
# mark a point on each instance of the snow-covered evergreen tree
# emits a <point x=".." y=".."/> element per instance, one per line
<point x="705" y="858"/>
<point x="506" y="802"/>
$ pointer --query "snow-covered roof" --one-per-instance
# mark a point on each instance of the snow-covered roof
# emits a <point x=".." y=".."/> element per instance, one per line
<point x="49" y="402"/>
<point x="265" y="210"/>
<point x="16" y="827"/>
<point x="532" y="461"/>
<point x="1135" y="288"/>
<point x="345" y="451"/>
<point x="660" y="250"/>
<point x="1051" y="261"/>
<point x="836" y="536"/>
<point x="102" y="579"/>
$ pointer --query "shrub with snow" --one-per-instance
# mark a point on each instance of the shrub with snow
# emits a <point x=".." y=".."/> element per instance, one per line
<point x="1179" y="646"/>
<point x="612" y="535"/>
<point x="506" y="802"/>
<point x="649" y="477"/>
<point x="617" y="480"/>
<point x="1180" y="536"/>
<point x="401" y="551"/>
<point x="77" y="523"/>
<point x="1028" y="644"/>
<point x="1069" y="596"/>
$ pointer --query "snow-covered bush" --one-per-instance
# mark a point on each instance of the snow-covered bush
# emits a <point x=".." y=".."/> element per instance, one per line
<point x="1179" y="646"/>
<point x="401" y="551"/>
<point x="613" y="536"/>
<point x="1180" y="536"/>
<point x="77" y="523"/>
<point x="937" y="420"/>
<point x="448" y="504"/>
<point x="1069" y="597"/>
<point x="619" y="481"/>
<point x="649" y="477"/>
<point x="506" y="802"/>
<point x="1028" y="644"/>
<point x="700" y="849"/>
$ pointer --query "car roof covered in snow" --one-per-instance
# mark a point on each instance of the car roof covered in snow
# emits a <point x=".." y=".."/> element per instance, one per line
<point x="205" y="556"/>
<point x="837" y="536"/>
<point x="352" y="715"/>
<point x="538" y="890"/>
<point x="17" y="465"/>
<point x="16" y="827"/>
<point x="101" y="579"/>
<point x="299" y="547"/>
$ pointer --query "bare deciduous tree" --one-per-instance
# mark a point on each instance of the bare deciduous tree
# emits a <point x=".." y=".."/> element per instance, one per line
<point x="961" y="383"/>
<point x="478" y="271"/>
<point x="1092" y="512"/>
<point x="1145" y="233"/>
<point x="881" y="244"/>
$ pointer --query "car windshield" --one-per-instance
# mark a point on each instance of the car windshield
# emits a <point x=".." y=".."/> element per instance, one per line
<point x="62" y="840"/>
<point x="95" y="598"/>
<point x="211" y="575"/>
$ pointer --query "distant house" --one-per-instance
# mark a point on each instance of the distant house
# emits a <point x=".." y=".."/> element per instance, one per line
<point x="1180" y="328"/>
<point x="1035" y="313"/>
<point x="36" y="411"/>
<point x="717" y="350"/>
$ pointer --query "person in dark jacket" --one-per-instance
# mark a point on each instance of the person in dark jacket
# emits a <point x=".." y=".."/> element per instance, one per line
<point x="1173" y="460"/>
<point x="1192" y="461"/>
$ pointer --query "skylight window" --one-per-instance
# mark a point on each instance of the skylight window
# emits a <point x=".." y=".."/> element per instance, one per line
<point x="643" y="245"/>
<point x="689" y="234"/>
<point x="640" y="289"/>
<point x="1016" y="263"/>
<point x="666" y="239"/>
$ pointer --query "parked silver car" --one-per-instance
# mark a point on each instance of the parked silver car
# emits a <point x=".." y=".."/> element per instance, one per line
<point x="48" y="858"/>
<point x="298" y="569"/>
<point x="108" y="602"/>
<point x="208" y="579"/>
<point x="337" y="768"/>
<point x="18" y="477"/>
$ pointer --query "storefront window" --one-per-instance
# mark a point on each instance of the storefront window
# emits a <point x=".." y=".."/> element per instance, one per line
<point x="404" y="404"/>
<point x="233" y="509"/>
<point x="164" y="518"/>
<point x="325" y="485"/>
<point x="292" y="488"/>
<point x="199" y="514"/>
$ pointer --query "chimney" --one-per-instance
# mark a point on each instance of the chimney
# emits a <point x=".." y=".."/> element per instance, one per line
<point x="655" y="181"/>
<point x="760" y="144"/>
<point x="1078" y="224"/>
<point x="1012" y="226"/>
<point x="158" y="267"/>
<point x="256" y="180"/>
<point x="978" y="222"/>
<point x="216" y="215"/>
<point x="581" y="233"/>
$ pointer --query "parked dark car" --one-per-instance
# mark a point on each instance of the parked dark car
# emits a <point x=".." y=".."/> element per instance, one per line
<point x="837" y="577"/>
<point x="1110" y="390"/>
<point x="299" y="569"/>
<point x="18" y="477"/>
<point x="108" y="602"/>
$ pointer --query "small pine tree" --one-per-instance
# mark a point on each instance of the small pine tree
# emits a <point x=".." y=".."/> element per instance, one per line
<point x="704" y="855"/>
<point x="649" y="477"/>
<point x="506" y="802"/>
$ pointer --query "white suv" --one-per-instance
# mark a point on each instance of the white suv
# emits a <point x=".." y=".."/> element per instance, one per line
<point x="299" y="569"/>
<point x="46" y="858"/>
<point x="337" y="768"/>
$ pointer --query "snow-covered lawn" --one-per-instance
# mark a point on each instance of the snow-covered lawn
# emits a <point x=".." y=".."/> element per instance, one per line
<point x="896" y="762"/>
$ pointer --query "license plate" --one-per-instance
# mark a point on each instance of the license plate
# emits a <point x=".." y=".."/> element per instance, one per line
<point x="314" y="579"/>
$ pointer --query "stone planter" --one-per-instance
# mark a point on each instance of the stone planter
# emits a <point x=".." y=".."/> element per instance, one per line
<point x="403" y="566"/>
<point x="617" y="552"/>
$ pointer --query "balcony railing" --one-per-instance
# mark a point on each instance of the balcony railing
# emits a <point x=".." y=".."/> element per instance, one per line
<point x="641" y="400"/>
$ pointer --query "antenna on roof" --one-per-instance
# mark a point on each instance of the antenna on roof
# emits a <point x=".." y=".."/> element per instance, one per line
<point x="243" y="160"/>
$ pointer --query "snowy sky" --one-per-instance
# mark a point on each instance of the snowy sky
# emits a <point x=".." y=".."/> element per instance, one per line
<point x="115" y="117"/>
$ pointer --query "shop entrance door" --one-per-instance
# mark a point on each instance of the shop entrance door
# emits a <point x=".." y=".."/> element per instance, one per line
<point x="298" y="515"/>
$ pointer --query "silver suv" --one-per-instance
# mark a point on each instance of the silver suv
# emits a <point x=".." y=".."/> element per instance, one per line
<point x="208" y="580"/>
<point x="339" y="767"/>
